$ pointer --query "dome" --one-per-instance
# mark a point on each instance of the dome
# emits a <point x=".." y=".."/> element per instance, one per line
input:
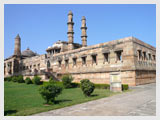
<point x="28" y="53"/>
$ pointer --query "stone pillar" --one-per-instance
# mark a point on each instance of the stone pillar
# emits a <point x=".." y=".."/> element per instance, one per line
<point x="84" y="34"/>
<point x="70" y="32"/>
<point x="112" y="57"/>
<point x="12" y="67"/>
<point x="6" y="69"/>
<point x="17" y="47"/>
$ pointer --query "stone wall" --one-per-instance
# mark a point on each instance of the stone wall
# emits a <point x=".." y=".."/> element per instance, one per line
<point x="36" y="62"/>
<point x="98" y="62"/>
<point x="101" y="65"/>
<point x="100" y="71"/>
<point x="127" y="77"/>
<point x="145" y="77"/>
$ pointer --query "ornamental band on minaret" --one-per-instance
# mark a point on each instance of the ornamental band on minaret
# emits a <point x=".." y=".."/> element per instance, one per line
<point x="17" y="47"/>
<point x="84" y="34"/>
<point x="70" y="32"/>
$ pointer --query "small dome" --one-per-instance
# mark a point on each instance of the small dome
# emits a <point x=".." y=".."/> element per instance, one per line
<point x="28" y="53"/>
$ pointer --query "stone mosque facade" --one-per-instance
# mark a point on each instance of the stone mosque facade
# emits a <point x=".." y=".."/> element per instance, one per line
<point x="128" y="60"/>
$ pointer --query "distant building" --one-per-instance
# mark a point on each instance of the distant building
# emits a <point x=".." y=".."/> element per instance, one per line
<point x="128" y="60"/>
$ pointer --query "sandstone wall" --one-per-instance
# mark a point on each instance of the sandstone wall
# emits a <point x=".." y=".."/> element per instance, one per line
<point x="132" y="70"/>
<point x="127" y="77"/>
<point x="145" y="77"/>
<point x="36" y="62"/>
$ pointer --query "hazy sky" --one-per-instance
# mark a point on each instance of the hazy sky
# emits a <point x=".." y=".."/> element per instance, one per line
<point x="40" y="26"/>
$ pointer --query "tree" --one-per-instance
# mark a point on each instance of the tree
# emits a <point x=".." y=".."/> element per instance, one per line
<point x="67" y="81"/>
<point x="49" y="92"/>
<point x="36" y="80"/>
<point x="87" y="87"/>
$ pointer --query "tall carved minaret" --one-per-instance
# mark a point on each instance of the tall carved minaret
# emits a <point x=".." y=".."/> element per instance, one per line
<point x="17" y="46"/>
<point x="70" y="32"/>
<point x="84" y="34"/>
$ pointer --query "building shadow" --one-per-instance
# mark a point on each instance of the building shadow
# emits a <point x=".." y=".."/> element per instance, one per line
<point x="8" y="112"/>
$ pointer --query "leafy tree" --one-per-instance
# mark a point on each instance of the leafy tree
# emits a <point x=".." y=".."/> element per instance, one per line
<point x="87" y="87"/>
<point x="67" y="81"/>
<point x="49" y="92"/>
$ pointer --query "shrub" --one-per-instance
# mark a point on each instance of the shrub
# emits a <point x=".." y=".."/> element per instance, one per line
<point x="8" y="79"/>
<point x="57" y="83"/>
<point x="125" y="87"/>
<point x="66" y="80"/>
<point x="102" y="86"/>
<point x="36" y="80"/>
<point x="28" y="80"/>
<point x="87" y="87"/>
<point x="51" y="80"/>
<point x="14" y="79"/>
<point x="49" y="92"/>
<point x="5" y="79"/>
<point x="60" y="84"/>
<point x="75" y="85"/>
<point x="20" y="79"/>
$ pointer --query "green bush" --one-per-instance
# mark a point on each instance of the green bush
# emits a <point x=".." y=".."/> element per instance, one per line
<point x="36" y="80"/>
<point x="14" y="79"/>
<point x="8" y="79"/>
<point x="20" y="79"/>
<point x="28" y="80"/>
<point x="75" y="85"/>
<point x="49" y="92"/>
<point x="51" y="80"/>
<point x="102" y="86"/>
<point x="125" y="87"/>
<point x="87" y="87"/>
<point x="57" y="83"/>
<point x="60" y="84"/>
<point x="67" y="80"/>
<point x="5" y="79"/>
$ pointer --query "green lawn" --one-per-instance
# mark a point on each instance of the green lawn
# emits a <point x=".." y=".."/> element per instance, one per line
<point x="22" y="99"/>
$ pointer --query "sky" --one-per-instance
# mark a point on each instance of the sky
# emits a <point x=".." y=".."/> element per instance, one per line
<point x="41" y="25"/>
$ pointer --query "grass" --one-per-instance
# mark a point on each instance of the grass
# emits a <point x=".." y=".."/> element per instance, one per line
<point x="21" y="99"/>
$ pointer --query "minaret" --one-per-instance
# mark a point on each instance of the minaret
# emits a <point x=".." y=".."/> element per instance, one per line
<point x="17" y="46"/>
<point x="70" y="32"/>
<point x="84" y="34"/>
